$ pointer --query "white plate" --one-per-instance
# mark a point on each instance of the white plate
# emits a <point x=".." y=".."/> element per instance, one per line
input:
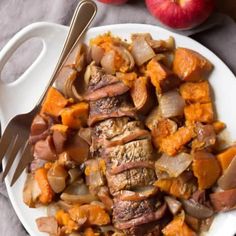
<point x="21" y="95"/>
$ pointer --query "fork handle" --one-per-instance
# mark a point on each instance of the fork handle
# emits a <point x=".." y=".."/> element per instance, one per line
<point x="82" y="18"/>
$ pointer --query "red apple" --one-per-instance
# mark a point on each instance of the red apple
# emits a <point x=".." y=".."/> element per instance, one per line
<point x="116" y="2"/>
<point x="181" y="14"/>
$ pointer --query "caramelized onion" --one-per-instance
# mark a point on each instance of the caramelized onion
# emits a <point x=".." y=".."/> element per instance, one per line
<point x="126" y="56"/>
<point x="108" y="62"/>
<point x="228" y="179"/>
<point x="74" y="174"/>
<point x="48" y="225"/>
<point x="141" y="51"/>
<point x="97" y="53"/>
<point x="31" y="191"/>
<point x="175" y="165"/>
<point x="57" y="178"/>
<point x="196" y="209"/>
<point x="171" y="104"/>
<point x="173" y="204"/>
<point x="78" y="199"/>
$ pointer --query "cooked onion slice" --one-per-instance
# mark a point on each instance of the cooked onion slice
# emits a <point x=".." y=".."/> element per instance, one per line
<point x="171" y="104"/>
<point x="173" y="204"/>
<point x="175" y="165"/>
<point x="228" y="179"/>
<point x="108" y="62"/>
<point x="78" y="199"/>
<point x="57" y="178"/>
<point x="97" y="53"/>
<point x="196" y="209"/>
<point x="141" y="51"/>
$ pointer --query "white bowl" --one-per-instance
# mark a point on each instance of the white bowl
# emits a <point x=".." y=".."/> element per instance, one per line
<point x="21" y="96"/>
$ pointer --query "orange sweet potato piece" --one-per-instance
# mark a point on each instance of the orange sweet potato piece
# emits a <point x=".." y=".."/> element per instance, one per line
<point x="89" y="232"/>
<point x="59" y="127"/>
<point x="47" y="193"/>
<point x="206" y="168"/>
<point x="173" y="143"/>
<point x="196" y="92"/>
<point x="63" y="218"/>
<point x="199" y="112"/>
<point x="94" y="214"/>
<point x="177" y="187"/>
<point x="75" y="116"/>
<point x="190" y="65"/>
<point x="53" y="103"/>
<point x="163" y="129"/>
<point x="177" y="227"/>
<point x="140" y="93"/>
<point x="218" y="126"/>
<point x="161" y="77"/>
<point x="226" y="157"/>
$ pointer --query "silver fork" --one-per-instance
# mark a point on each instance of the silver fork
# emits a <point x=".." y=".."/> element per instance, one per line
<point x="14" y="140"/>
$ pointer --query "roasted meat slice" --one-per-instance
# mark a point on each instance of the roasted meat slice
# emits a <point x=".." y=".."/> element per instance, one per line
<point x="130" y="179"/>
<point x="140" y="150"/>
<point x="99" y="78"/>
<point x="143" y="219"/>
<point x="127" y="210"/>
<point x="111" y="128"/>
<point x="110" y="107"/>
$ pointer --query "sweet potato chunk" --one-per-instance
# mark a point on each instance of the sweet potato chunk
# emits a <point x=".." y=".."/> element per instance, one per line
<point x="195" y="92"/>
<point x="75" y="116"/>
<point x="173" y="143"/>
<point x="206" y="168"/>
<point x="164" y="128"/>
<point x="161" y="77"/>
<point x="190" y="65"/>
<point x="46" y="190"/>
<point x="224" y="201"/>
<point x="226" y="157"/>
<point x="53" y="103"/>
<point x="218" y="126"/>
<point x="178" y="227"/>
<point x="94" y="214"/>
<point x="176" y="187"/>
<point x="199" y="112"/>
<point x="63" y="218"/>
<point x="140" y="93"/>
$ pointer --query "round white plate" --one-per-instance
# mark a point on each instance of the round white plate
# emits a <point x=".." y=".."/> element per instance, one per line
<point x="21" y="95"/>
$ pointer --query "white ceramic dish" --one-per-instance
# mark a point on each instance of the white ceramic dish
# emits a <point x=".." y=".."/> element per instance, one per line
<point x="21" y="95"/>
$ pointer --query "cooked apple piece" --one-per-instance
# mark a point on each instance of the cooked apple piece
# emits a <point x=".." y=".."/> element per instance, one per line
<point x="141" y="96"/>
<point x="173" y="143"/>
<point x="196" y="92"/>
<point x="190" y="65"/>
<point x="199" y="112"/>
<point x="224" y="201"/>
<point x="161" y="77"/>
